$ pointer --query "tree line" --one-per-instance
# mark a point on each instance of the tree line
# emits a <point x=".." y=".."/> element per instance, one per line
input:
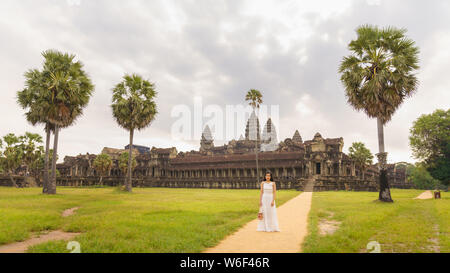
<point x="21" y="151"/>
<point x="56" y="95"/>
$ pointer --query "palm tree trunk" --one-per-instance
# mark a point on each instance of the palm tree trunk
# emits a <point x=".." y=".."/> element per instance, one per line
<point x="385" y="193"/>
<point x="256" y="148"/>
<point x="130" y="155"/>
<point x="13" y="182"/>
<point x="100" y="182"/>
<point x="47" y="147"/>
<point x="52" y="183"/>
<point x="380" y="135"/>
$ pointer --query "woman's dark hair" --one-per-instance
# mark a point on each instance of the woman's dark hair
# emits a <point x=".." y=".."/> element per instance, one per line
<point x="271" y="177"/>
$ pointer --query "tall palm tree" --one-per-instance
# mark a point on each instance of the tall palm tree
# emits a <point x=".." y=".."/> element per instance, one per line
<point x="378" y="76"/>
<point x="36" y="99"/>
<point x="56" y="97"/>
<point x="133" y="108"/>
<point x="254" y="99"/>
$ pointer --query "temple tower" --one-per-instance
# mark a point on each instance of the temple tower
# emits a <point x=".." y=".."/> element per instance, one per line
<point x="207" y="142"/>
<point x="252" y="131"/>
<point x="269" y="137"/>
<point x="297" y="137"/>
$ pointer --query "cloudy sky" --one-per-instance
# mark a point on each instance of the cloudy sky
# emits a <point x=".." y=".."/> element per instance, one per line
<point x="216" y="51"/>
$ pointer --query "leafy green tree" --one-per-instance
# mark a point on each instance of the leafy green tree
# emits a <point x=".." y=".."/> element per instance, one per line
<point x="55" y="96"/>
<point x="102" y="164"/>
<point x="123" y="163"/>
<point x="38" y="166"/>
<point x="133" y="108"/>
<point x="12" y="156"/>
<point x="254" y="99"/>
<point x="421" y="178"/>
<point x="29" y="149"/>
<point x="430" y="142"/>
<point x="36" y="99"/>
<point x="377" y="77"/>
<point x="361" y="155"/>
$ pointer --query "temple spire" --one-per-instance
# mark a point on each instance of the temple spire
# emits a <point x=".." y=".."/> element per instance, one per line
<point x="297" y="137"/>
<point x="252" y="131"/>
<point x="269" y="137"/>
<point x="207" y="141"/>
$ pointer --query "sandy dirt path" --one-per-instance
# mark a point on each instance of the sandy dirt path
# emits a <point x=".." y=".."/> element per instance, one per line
<point x="21" y="247"/>
<point x="292" y="220"/>
<point x="69" y="212"/>
<point x="425" y="195"/>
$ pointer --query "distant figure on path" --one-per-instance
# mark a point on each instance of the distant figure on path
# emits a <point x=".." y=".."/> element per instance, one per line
<point x="269" y="221"/>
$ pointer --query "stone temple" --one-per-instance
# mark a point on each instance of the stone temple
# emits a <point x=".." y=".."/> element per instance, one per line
<point x="293" y="163"/>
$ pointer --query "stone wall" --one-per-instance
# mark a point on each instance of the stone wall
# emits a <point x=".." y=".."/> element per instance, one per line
<point x="216" y="183"/>
<point x="345" y="184"/>
<point x="323" y="183"/>
<point x="21" y="181"/>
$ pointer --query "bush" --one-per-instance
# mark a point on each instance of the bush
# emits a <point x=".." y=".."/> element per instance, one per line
<point x="422" y="179"/>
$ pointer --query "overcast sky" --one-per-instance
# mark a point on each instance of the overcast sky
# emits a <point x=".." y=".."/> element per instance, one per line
<point x="217" y="51"/>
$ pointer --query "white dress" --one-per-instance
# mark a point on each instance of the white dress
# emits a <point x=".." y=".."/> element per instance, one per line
<point x="269" y="223"/>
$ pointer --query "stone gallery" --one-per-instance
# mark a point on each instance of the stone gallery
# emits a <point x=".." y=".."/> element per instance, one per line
<point x="293" y="163"/>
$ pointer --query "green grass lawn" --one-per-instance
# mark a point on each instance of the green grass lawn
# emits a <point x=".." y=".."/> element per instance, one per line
<point x="407" y="225"/>
<point x="147" y="220"/>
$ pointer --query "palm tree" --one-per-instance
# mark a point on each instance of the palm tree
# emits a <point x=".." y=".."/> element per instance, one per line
<point x="123" y="163"/>
<point x="56" y="96"/>
<point x="254" y="99"/>
<point x="133" y="108"/>
<point x="33" y="98"/>
<point x="29" y="149"/>
<point x="377" y="77"/>
<point x="361" y="156"/>
<point x="102" y="164"/>
<point x="12" y="156"/>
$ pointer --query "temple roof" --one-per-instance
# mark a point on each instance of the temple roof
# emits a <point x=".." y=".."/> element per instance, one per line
<point x="326" y="141"/>
<point x="163" y="150"/>
<point x="297" y="137"/>
<point x="207" y="135"/>
<point x="237" y="157"/>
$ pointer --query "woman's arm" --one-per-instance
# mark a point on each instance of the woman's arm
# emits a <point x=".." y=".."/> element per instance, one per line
<point x="261" y="194"/>
<point x="274" y="193"/>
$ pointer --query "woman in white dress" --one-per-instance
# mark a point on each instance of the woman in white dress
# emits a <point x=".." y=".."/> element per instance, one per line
<point x="269" y="221"/>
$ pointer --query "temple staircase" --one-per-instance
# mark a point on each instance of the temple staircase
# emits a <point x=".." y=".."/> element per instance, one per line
<point x="309" y="187"/>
